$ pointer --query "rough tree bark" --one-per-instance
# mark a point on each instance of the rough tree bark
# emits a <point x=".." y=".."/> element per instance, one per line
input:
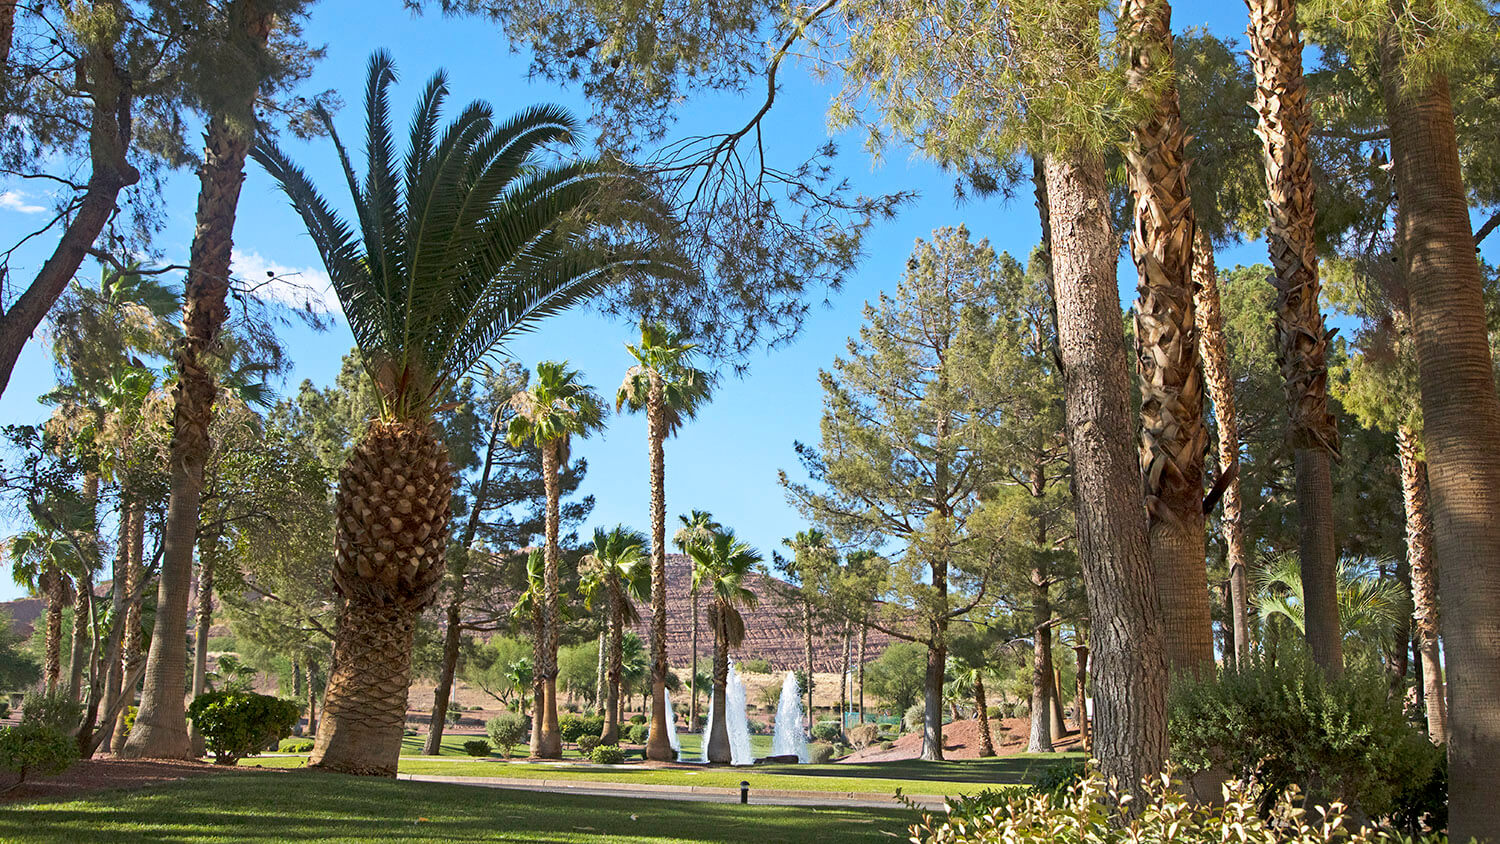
<point x="658" y="746"/>
<point x="1424" y="581"/>
<point x="549" y="744"/>
<point x="1041" y="664"/>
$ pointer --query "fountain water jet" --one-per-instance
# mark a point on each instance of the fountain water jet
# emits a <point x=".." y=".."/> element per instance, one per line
<point x="672" y="724"/>
<point x="789" y="739"/>
<point x="735" y="721"/>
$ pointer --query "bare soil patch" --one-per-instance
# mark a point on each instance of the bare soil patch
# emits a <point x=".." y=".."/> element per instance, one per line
<point x="961" y="741"/>
<point x="108" y="773"/>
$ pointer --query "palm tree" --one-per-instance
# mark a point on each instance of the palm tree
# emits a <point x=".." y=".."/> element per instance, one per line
<point x="480" y="240"/>
<point x="664" y="384"/>
<point x="721" y="566"/>
<point x="619" y="569"/>
<point x="529" y="604"/>
<point x="1370" y="606"/>
<point x="697" y="527"/>
<point x="1301" y="340"/>
<point x="40" y="560"/>
<point x="555" y="408"/>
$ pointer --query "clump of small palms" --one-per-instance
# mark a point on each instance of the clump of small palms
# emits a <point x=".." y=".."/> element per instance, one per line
<point x="1370" y="606"/>
<point x="721" y="566"/>
<point x="472" y="238"/>
<point x="618" y="572"/>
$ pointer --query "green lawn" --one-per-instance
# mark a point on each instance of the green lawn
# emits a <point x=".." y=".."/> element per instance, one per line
<point x="912" y="777"/>
<point x="310" y="806"/>
<point x="692" y="747"/>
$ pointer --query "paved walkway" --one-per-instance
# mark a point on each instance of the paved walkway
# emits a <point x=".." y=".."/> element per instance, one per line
<point x="699" y="793"/>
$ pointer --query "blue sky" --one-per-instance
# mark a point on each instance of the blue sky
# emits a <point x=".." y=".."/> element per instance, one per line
<point x="726" y="461"/>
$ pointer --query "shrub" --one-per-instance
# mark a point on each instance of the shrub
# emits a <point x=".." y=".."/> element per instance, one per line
<point x="637" y="719"/>
<point x="54" y="709"/>
<point x="1058" y="778"/>
<point x="574" y="727"/>
<point x="586" y="743"/>
<point x="477" y="747"/>
<point x="236" y="724"/>
<point x="638" y="733"/>
<point x="820" y="753"/>
<point x="887" y="745"/>
<point x="455" y="712"/>
<point x="914" y="716"/>
<point x="863" y="735"/>
<point x="295" y="745"/>
<point x="757" y="726"/>
<point x="608" y="754"/>
<point x="506" y="730"/>
<point x="4" y="707"/>
<point x="1089" y="814"/>
<point x="1287" y="724"/>
<point x="33" y="747"/>
<point x="994" y="713"/>
<point x="826" y="731"/>
<point x="755" y="665"/>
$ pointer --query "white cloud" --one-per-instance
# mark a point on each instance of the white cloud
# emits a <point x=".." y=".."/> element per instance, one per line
<point x="276" y="282"/>
<point x="13" y="200"/>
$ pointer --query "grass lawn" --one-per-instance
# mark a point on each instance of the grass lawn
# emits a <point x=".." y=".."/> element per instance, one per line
<point x="912" y="777"/>
<point x="692" y="747"/>
<point x="310" y="806"/>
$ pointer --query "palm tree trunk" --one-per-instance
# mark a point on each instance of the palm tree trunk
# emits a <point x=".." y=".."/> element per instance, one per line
<point x="1172" y="431"/>
<point x="203" y="621"/>
<point x="538" y="637"/>
<point x="1041" y="664"/>
<point x="78" y="654"/>
<point x="133" y="657"/>
<point x="602" y="667"/>
<point x="1302" y="341"/>
<point x="658" y="746"/>
<point x="54" y="587"/>
<point x="1216" y="374"/>
<point x="118" y="603"/>
<point x="1461" y="428"/>
<point x="693" y="683"/>
<point x="312" y="699"/>
<point x="807" y="661"/>
<point x="718" y="731"/>
<point x="364" y="707"/>
<point x="1130" y="688"/>
<point x="844" y="679"/>
<point x="161" y="723"/>
<point x="616" y="667"/>
<point x="549" y="744"/>
<point x="982" y="712"/>
<point x="1424" y="581"/>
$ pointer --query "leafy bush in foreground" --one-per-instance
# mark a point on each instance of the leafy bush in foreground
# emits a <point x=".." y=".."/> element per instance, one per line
<point x="608" y="754"/>
<point x="1287" y="724"/>
<point x="237" y="724"/>
<point x="33" y="748"/>
<point x="1088" y="813"/>
<point x="52" y="709"/>
<point x="638" y="733"/>
<point x="506" y="730"/>
<point x="477" y="748"/>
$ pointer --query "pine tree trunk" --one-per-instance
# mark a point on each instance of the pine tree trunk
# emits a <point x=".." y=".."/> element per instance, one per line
<point x="864" y="632"/>
<point x="1424" y="581"/>
<point x="1130" y="685"/>
<point x="161" y="723"/>
<point x="549" y="744"/>
<point x="452" y="638"/>
<point x="1301" y="340"/>
<point x="1041" y="664"/>
<point x="658" y="746"/>
<point x="1166" y="335"/>
<point x="203" y="621"/>
<point x="844" y="680"/>
<point x="1055" y="704"/>
<point x="719" y="752"/>
<point x="807" y="661"/>
<point x="1082" y="706"/>
<point x="7" y="31"/>
<point x="1461" y="431"/>
<point x="932" y="692"/>
<point x="982" y="712"/>
<point x="1216" y="374"/>
<point x="312" y="699"/>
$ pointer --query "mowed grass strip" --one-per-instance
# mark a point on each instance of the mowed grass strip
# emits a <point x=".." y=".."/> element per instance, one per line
<point x="314" y="806"/>
<point x="912" y="777"/>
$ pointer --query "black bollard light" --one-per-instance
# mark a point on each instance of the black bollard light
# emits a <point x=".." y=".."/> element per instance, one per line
<point x="744" y="791"/>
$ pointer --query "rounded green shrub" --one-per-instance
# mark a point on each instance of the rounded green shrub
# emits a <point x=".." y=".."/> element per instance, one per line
<point x="820" y="753"/>
<point x="826" y="731"/>
<point x="35" y="748"/>
<point x="637" y="719"/>
<point x="574" y="727"/>
<point x="608" y="754"/>
<point x="912" y="719"/>
<point x="237" y="724"/>
<point x="638" y="733"/>
<point x="586" y="743"/>
<point x="507" y="730"/>
<point x="53" y="709"/>
<point x="295" y="745"/>
<point x="477" y="748"/>
<point x="1058" y="778"/>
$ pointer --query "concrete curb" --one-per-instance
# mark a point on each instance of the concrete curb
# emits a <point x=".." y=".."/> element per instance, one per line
<point x="763" y="796"/>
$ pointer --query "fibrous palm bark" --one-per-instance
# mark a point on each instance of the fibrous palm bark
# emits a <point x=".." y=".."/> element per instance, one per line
<point x="1424" y="587"/>
<point x="1166" y="336"/>
<point x="1214" y="348"/>
<point x="1460" y="429"/>
<point x="161" y="722"/>
<point x="615" y="668"/>
<point x="1301" y="339"/>
<point x="982" y="712"/>
<point x="718" y="732"/>
<point x="658" y="746"/>
<point x="549" y="744"/>
<point x="391" y="512"/>
<point x="1130" y="673"/>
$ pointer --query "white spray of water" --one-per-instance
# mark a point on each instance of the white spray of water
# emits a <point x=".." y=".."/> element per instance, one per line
<point x="736" y="721"/>
<point x="789" y="739"/>
<point x="672" y="724"/>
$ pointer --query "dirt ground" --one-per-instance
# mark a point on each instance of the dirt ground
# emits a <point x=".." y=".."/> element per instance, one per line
<point x="961" y="741"/>
<point x="106" y="773"/>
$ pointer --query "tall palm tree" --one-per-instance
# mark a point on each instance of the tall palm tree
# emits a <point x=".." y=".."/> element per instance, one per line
<point x="1301" y="340"/>
<point x="40" y="560"/>
<point x="697" y="527"/>
<point x="721" y="566"/>
<point x="664" y="384"/>
<point x="161" y="721"/>
<point x="1166" y="336"/>
<point x="617" y="571"/>
<point x="480" y="240"/>
<point x="557" y="407"/>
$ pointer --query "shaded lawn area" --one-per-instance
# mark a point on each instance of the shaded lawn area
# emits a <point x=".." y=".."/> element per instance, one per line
<point x="314" y="806"/>
<point x="912" y="777"/>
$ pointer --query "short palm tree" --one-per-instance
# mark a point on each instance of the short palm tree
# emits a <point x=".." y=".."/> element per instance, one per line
<point x="664" y="384"/>
<point x="557" y="407"/>
<point x="530" y="605"/>
<point x="697" y="527"/>
<point x="1369" y="605"/>
<point x="619" y="573"/>
<point x="721" y="566"/>
<point x="470" y="239"/>
<point x="40" y="560"/>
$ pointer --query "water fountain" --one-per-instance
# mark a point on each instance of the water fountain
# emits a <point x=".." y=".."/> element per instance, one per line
<point x="735" y="720"/>
<point x="672" y="724"/>
<point x="790" y="740"/>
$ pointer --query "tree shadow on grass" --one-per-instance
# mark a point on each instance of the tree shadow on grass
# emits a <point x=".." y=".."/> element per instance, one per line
<point x="1001" y="770"/>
